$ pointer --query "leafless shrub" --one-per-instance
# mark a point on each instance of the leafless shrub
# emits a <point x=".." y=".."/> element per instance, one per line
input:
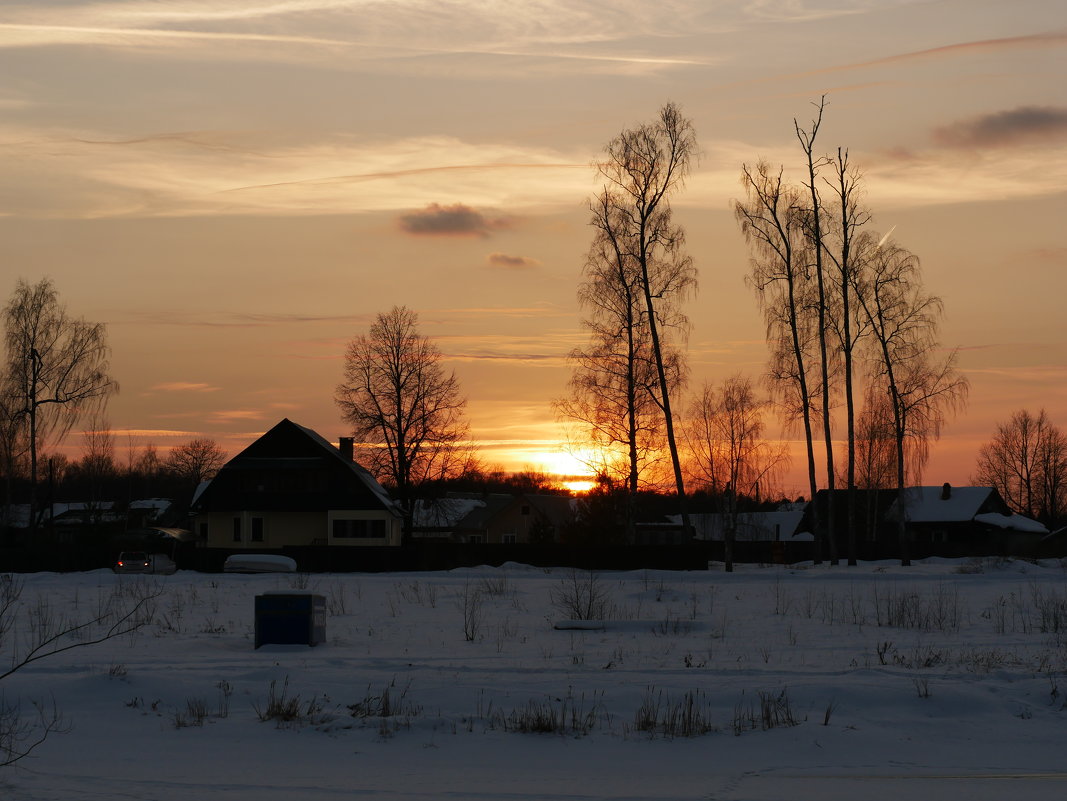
<point x="830" y="709"/>
<point x="22" y="732"/>
<point x="941" y="611"/>
<point x="922" y="687"/>
<point x="688" y="716"/>
<point x="280" y="706"/>
<point x="225" y="691"/>
<point x="194" y="714"/>
<point x="392" y="701"/>
<point x="772" y="711"/>
<point x="470" y="602"/>
<point x="418" y="593"/>
<point x="1051" y="609"/>
<point x="32" y="631"/>
<point x="337" y="599"/>
<point x="495" y="586"/>
<point x="567" y="715"/>
<point x="299" y="581"/>
<point x="582" y="596"/>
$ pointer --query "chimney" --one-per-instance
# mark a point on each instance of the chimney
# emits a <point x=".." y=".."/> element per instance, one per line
<point x="946" y="491"/>
<point x="344" y="445"/>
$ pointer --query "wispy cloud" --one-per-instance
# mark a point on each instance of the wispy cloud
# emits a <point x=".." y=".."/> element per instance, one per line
<point x="83" y="174"/>
<point x="509" y="262"/>
<point x="183" y="386"/>
<point x="1037" y="40"/>
<point x="1023" y="125"/>
<point x="398" y="36"/>
<point x="153" y="433"/>
<point x="232" y="415"/>
<point x="454" y="220"/>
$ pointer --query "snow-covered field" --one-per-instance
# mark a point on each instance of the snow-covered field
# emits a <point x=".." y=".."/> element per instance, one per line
<point x="942" y="680"/>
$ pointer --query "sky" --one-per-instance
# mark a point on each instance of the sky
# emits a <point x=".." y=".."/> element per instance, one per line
<point x="236" y="188"/>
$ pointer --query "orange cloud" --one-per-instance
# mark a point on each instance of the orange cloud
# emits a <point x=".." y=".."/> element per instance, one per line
<point x="228" y="416"/>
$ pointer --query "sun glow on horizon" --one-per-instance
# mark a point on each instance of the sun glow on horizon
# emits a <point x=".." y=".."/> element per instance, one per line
<point x="565" y="464"/>
<point x="579" y="486"/>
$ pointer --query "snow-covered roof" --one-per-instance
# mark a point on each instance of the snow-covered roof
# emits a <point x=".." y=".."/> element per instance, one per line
<point x="751" y="526"/>
<point x="1013" y="522"/>
<point x="443" y="512"/>
<point x="159" y="504"/>
<point x="926" y="504"/>
<point x="87" y="506"/>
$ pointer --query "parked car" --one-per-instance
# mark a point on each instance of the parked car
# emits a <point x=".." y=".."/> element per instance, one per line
<point x="133" y="562"/>
<point x="142" y="562"/>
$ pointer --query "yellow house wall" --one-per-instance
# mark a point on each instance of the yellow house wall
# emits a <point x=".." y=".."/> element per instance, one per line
<point x="282" y="529"/>
<point x="392" y="528"/>
<point x="279" y="529"/>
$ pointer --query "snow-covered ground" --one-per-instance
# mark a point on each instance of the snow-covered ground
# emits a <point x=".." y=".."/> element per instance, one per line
<point x="947" y="679"/>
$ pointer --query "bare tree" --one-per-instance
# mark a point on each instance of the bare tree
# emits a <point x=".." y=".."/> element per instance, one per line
<point x="1026" y="461"/>
<point x="846" y="324"/>
<point x="32" y="630"/>
<point x="613" y="384"/>
<point x="922" y="389"/>
<point x="97" y="463"/>
<point x="642" y="168"/>
<point x="730" y="455"/>
<point x="57" y="367"/>
<point x="770" y="220"/>
<point x="815" y="230"/>
<point x="195" y="461"/>
<point x="406" y="412"/>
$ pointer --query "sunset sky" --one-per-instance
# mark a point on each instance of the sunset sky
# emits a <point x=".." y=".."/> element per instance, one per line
<point x="237" y="187"/>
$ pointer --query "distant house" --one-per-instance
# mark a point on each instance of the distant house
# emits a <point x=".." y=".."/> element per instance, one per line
<point x="964" y="515"/>
<point x="291" y="487"/>
<point x="947" y="520"/>
<point x="772" y="526"/>
<point x="148" y="512"/>
<point x="497" y="518"/>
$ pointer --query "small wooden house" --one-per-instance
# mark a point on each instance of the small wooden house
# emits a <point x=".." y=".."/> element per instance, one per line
<point x="291" y="487"/>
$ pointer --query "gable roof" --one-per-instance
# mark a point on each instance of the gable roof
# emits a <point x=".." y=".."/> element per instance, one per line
<point x="289" y="449"/>
<point x="930" y="504"/>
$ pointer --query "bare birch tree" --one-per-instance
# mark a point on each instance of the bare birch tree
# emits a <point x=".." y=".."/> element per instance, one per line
<point x="643" y="167"/>
<point x="922" y="388"/>
<point x="814" y="228"/>
<point x="57" y="367"/>
<point x="847" y="326"/>
<point x="770" y="220"/>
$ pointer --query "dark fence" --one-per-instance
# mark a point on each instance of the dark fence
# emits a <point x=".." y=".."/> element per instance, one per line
<point x="448" y="556"/>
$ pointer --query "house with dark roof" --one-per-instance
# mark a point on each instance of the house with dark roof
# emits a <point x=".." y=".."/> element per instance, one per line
<point x="940" y="519"/>
<point x="948" y="514"/>
<point x="289" y="488"/>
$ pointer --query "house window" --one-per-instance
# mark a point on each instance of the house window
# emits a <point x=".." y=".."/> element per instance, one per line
<point x="257" y="529"/>
<point x="475" y="539"/>
<point x="237" y="529"/>
<point x="509" y="539"/>
<point x="203" y="532"/>
<point x="359" y="529"/>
